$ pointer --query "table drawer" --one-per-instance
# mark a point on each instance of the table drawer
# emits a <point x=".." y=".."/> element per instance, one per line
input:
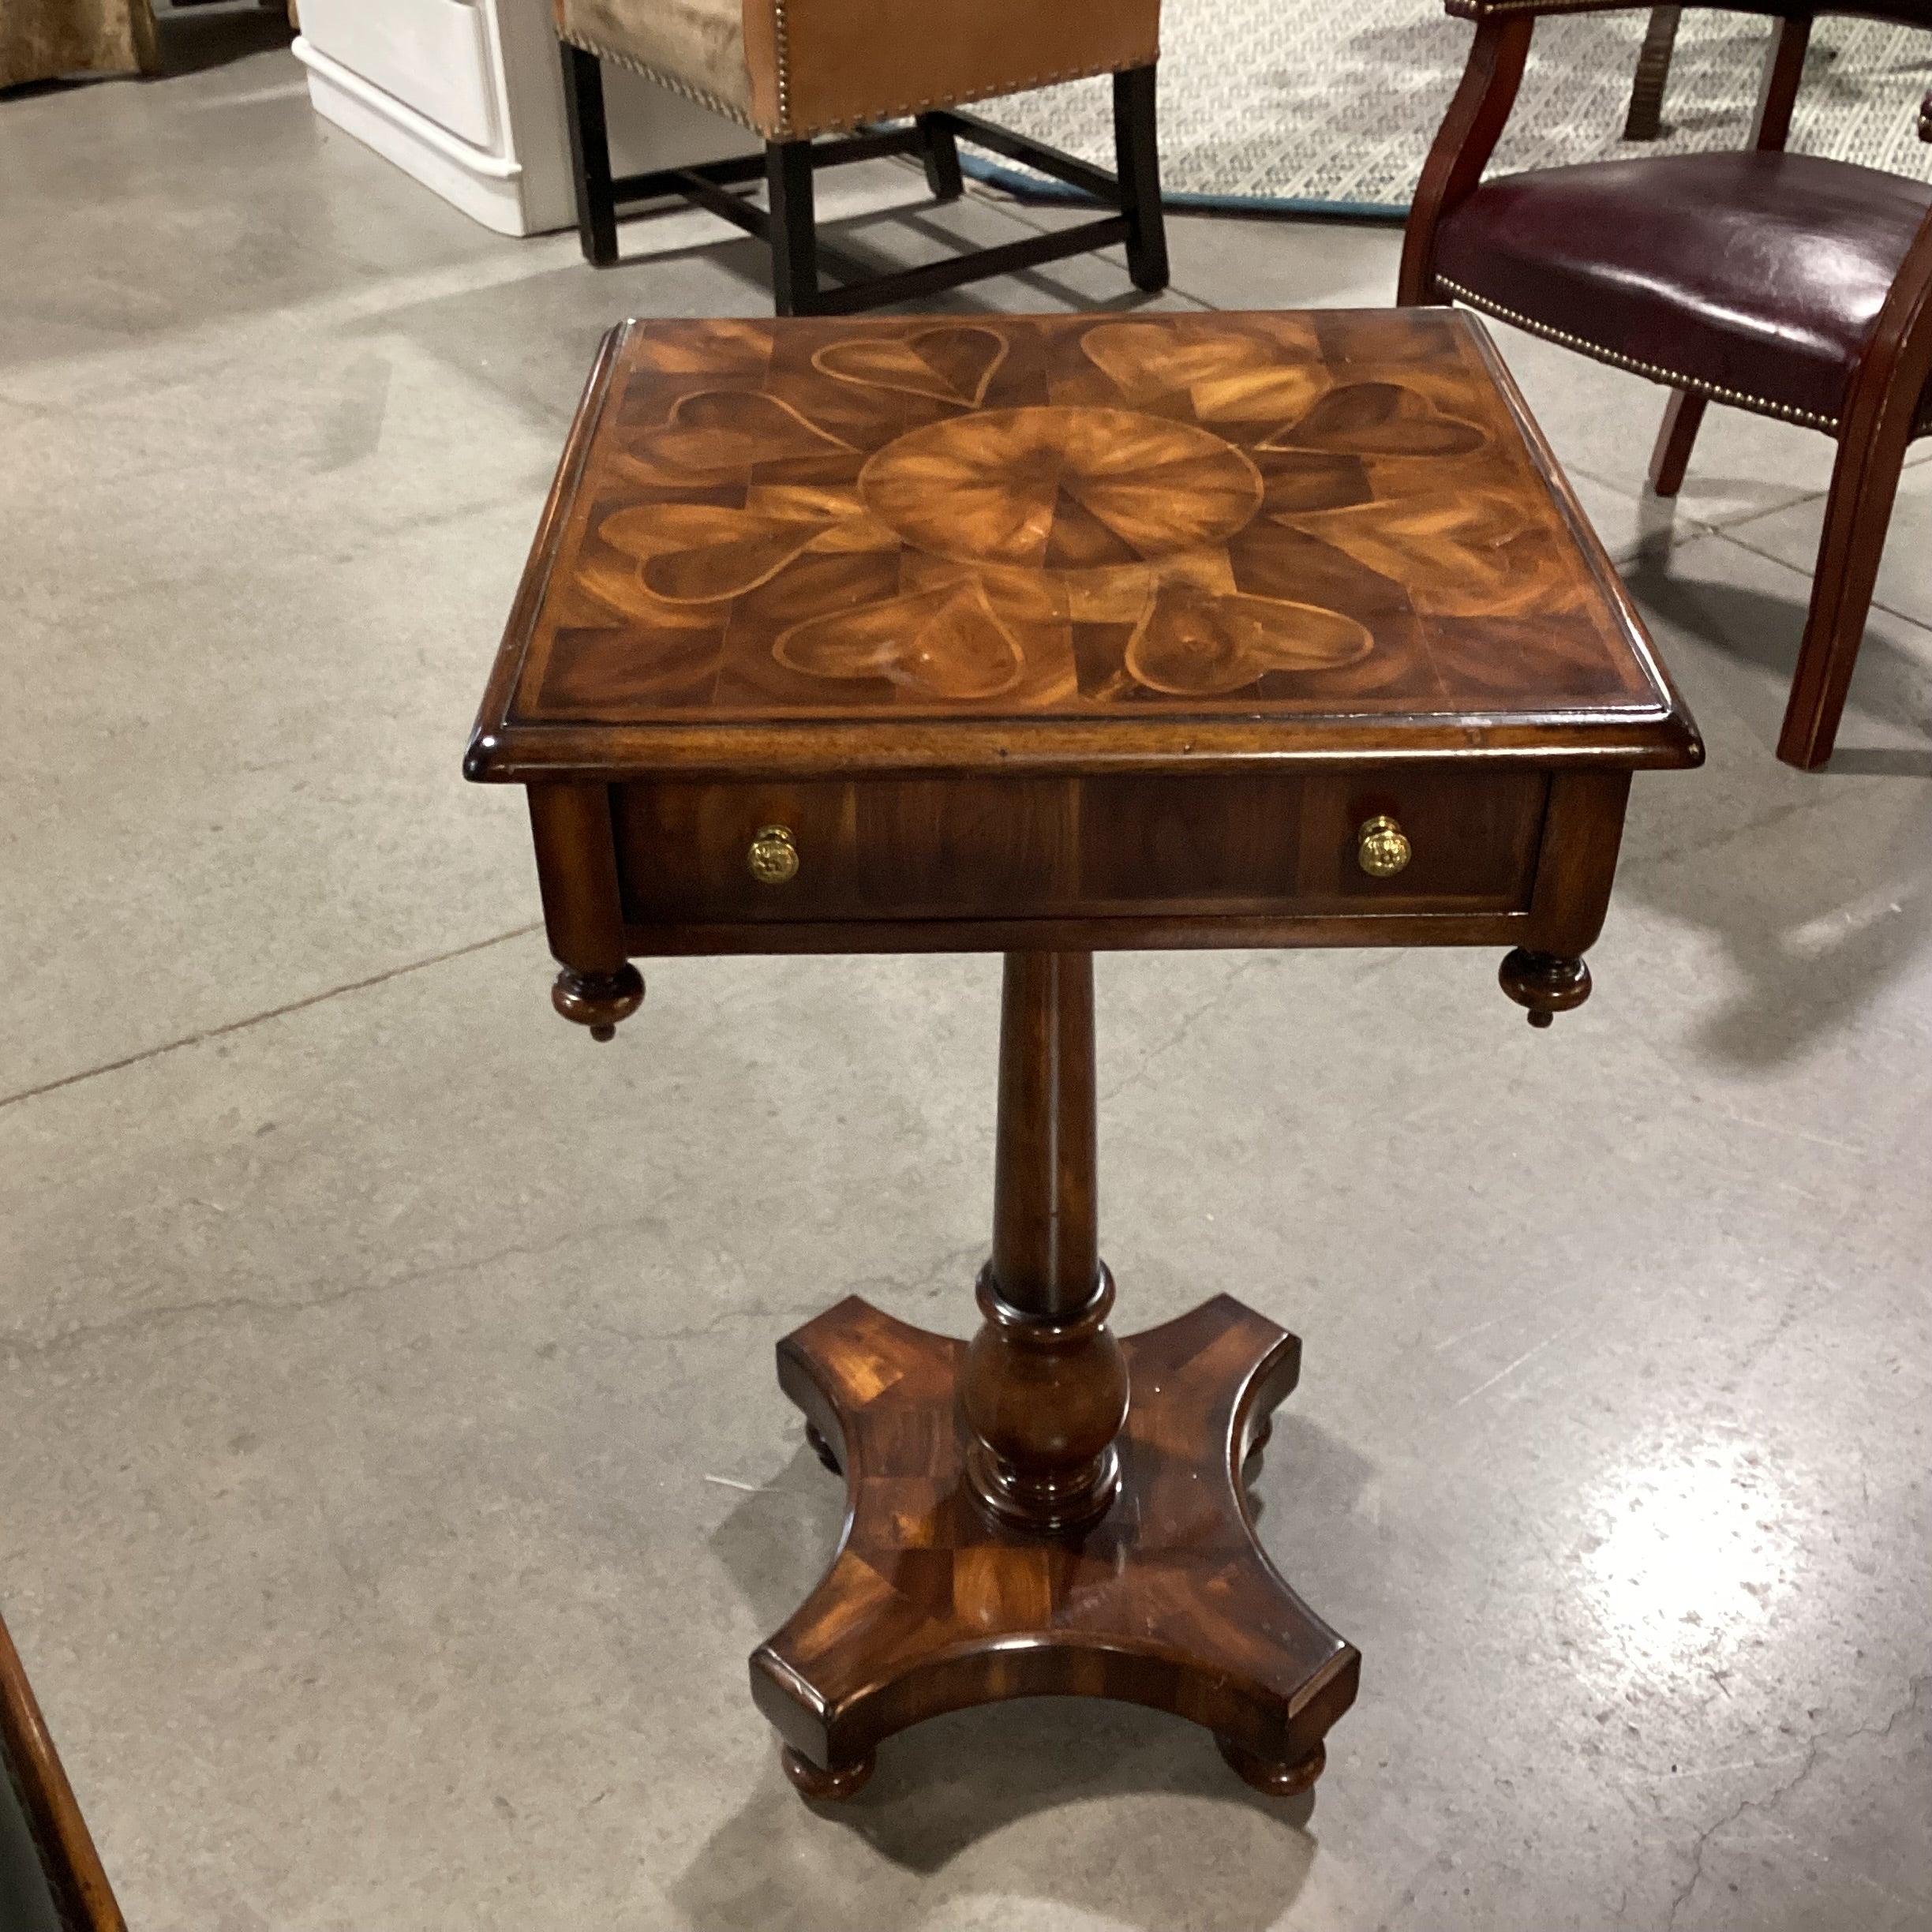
<point x="924" y="849"/>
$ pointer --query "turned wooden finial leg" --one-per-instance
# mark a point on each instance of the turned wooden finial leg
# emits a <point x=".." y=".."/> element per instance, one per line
<point x="598" y="1001"/>
<point x="1044" y="1387"/>
<point x="1547" y="983"/>
<point x="583" y="910"/>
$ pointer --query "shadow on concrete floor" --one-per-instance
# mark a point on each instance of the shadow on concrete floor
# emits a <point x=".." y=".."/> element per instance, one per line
<point x="1814" y="945"/>
<point x="193" y="43"/>
<point x="947" y="1785"/>
<point x="1762" y="632"/>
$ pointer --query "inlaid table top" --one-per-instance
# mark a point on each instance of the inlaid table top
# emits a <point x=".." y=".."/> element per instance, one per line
<point x="1016" y="540"/>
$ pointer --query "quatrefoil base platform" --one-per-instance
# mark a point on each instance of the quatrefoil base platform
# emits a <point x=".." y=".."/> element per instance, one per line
<point x="932" y="1603"/>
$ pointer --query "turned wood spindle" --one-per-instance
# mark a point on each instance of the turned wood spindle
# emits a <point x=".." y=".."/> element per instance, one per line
<point x="577" y="872"/>
<point x="1045" y="1385"/>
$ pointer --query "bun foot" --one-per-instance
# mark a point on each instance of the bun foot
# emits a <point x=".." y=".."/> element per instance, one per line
<point x="1278" y="1780"/>
<point x="811" y="1780"/>
<point x="822" y="1449"/>
<point x="1257" y="1443"/>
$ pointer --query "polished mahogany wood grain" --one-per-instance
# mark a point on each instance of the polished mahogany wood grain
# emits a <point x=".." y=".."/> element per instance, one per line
<point x="932" y="1603"/>
<point x="1880" y="422"/>
<point x="1171" y="540"/>
<point x="1046" y="1264"/>
<point x="73" y="1868"/>
<point x="1018" y="1527"/>
<point x="576" y="872"/>
<point x="1271" y="843"/>
<point x="1478" y="110"/>
<point x="1043" y="1388"/>
<point x="1583" y="830"/>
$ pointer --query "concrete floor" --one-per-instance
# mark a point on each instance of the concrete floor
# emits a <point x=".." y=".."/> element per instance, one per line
<point x="392" y="1476"/>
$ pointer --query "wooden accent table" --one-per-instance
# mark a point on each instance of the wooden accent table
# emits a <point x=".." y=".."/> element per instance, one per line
<point x="1037" y="635"/>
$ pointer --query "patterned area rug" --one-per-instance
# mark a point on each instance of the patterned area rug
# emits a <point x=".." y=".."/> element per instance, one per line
<point x="1329" y="106"/>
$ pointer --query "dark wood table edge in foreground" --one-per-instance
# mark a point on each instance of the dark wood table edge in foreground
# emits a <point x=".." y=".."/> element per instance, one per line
<point x="83" y="1897"/>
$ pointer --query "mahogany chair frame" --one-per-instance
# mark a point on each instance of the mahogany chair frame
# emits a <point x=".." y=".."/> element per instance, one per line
<point x="788" y="169"/>
<point x="1884" y="386"/>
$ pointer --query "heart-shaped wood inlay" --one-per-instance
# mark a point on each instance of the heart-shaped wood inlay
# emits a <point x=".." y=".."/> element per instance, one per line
<point x="717" y="434"/>
<point x="1378" y="419"/>
<point x="1467" y="552"/>
<point x="704" y="553"/>
<point x="1144" y="360"/>
<point x="1264" y="395"/>
<point x="943" y="643"/>
<point x="1194" y="643"/>
<point x="707" y="346"/>
<point x="953" y="364"/>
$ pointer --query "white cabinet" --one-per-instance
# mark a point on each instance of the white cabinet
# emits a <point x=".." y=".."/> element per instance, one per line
<point x="468" y="96"/>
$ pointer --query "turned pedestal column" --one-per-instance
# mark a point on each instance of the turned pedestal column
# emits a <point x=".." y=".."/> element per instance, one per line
<point x="1044" y="1392"/>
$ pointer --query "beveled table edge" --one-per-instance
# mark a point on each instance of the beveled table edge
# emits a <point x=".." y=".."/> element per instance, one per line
<point x="1661" y="739"/>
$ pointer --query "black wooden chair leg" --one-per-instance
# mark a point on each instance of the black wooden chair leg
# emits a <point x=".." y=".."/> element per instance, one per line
<point x="590" y="146"/>
<point x="794" y="236"/>
<point x="941" y="154"/>
<point x="1645" y="121"/>
<point x="788" y="222"/>
<point x="1137" y="162"/>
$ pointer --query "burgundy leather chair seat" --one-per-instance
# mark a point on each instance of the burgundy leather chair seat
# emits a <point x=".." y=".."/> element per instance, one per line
<point x="1754" y="278"/>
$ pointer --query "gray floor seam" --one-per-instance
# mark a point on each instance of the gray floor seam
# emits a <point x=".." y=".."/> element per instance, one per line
<point x="1878" y="602"/>
<point x="272" y="1013"/>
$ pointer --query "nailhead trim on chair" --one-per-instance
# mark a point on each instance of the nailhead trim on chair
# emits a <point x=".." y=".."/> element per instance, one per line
<point x="664" y="80"/>
<point x="1715" y="392"/>
<point x="1487" y="9"/>
<point x="784" y="66"/>
<point x="1005" y="87"/>
<point x="787" y="132"/>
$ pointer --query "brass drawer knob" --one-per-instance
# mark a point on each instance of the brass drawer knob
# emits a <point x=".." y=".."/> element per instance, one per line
<point x="773" y="858"/>
<point x="1382" y="846"/>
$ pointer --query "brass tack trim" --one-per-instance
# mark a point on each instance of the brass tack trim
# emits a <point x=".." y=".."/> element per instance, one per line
<point x="676" y="86"/>
<point x="1715" y="392"/>
<point x="955" y="100"/>
<point x="782" y="35"/>
<point x="785" y="131"/>
<point x="1485" y="9"/>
